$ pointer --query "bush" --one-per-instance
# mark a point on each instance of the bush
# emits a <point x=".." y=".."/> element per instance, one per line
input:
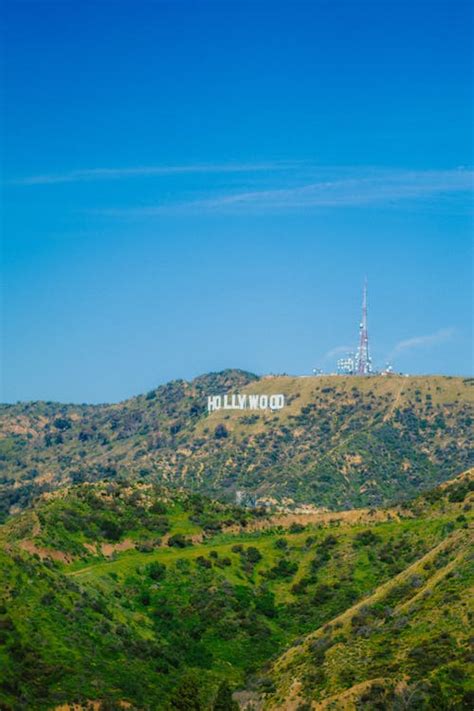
<point x="62" y="424"/>
<point x="178" y="540"/>
<point x="155" y="570"/>
<point x="221" y="432"/>
<point x="366" y="538"/>
<point x="110" y="529"/>
<point x="158" y="507"/>
<point x="223" y="700"/>
<point x="203" y="562"/>
<point x="186" y="696"/>
<point x="283" y="569"/>
<point x="253" y="555"/>
<point x="297" y="528"/>
<point x="147" y="546"/>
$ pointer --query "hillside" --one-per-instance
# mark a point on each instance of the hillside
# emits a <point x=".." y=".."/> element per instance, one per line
<point x="340" y="442"/>
<point x="137" y="596"/>
<point x="408" y="645"/>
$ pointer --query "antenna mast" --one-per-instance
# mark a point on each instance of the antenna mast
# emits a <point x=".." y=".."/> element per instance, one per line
<point x="364" y="364"/>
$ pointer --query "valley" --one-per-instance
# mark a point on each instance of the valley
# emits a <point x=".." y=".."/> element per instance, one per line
<point x="135" y="596"/>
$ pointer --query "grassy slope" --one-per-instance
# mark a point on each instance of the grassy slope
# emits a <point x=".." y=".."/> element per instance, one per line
<point x="340" y="442"/>
<point x="405" y="646"/>
<point x="121" y="626"/>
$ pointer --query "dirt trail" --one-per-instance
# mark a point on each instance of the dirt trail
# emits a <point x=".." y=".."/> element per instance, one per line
<point x="395" y="402"/>
<point x="109" y="549"/>
<point x="354" y="516"/>
<point x="89" y="706"/>
<point x="31" y="548"/>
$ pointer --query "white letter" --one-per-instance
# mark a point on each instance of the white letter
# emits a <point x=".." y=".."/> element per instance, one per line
<point x="263" y="402"/>
<point x="211" y="403"/>
<point x="277" y="402"/>
<point x="281" y="401"/>
<point x="253" y="402"/>
<point x="242" y="399"/>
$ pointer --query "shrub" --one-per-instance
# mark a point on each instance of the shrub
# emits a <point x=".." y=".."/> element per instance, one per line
<point x="296" y="528"/>
<point x="366" y="538"/>
<point x="155" y="570"/>
<point x="253" y="555"/>
<point x="283" y="569"/>
<point x="223" y="700"/>
<point x="62" y="424"/>
<point x="178" y="540"/>
<point x="221" y="432"/>
<point x="203" y="562"/>
<point x="158" y="507"/>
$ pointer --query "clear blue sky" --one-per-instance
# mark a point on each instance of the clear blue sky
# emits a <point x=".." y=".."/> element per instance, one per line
<point x="190" y="186"/>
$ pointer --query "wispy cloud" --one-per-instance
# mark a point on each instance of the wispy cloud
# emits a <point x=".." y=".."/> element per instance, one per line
<point x="433" y="339"/>
<point x="374" y="187"/>
<point x="91" y="174"/>
<point x="353" y="191"/>
<point x="338" y="351"/>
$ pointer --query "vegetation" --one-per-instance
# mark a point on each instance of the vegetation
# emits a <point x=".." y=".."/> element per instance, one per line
<point x="340" y="442"/>
<point x="96" y="605"/>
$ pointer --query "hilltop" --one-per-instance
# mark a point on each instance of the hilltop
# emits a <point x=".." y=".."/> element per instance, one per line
<point x="339" y="442"/>
<point x="137" y="596"/>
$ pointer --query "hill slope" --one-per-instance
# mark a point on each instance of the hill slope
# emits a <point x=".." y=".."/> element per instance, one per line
<point x="119" y="593"/>
<point x="340" y="442"/>
<point x="405" y="646"/>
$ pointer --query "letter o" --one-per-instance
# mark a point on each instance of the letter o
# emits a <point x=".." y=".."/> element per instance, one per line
<point x="273" y="402"/>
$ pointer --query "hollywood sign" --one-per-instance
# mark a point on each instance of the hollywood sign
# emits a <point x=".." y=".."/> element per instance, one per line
<point x="245" y="402"/>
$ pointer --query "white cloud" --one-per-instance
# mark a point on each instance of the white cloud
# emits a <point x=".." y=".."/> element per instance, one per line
<point x="89" y="174"/>
<point x="372" y="186"/>
<point x="338" y="351"/>
<point x="433" y="339"/>
<point x="353" y="191"/>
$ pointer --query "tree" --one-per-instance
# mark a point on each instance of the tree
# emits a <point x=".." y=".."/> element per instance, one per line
<point x="253" y="554"/>
<point x="220" y="432"/>
<point x="177" y="540"/>
<point x="186" y="696"/>
<point x="224" y="700"/>
<point x="156" y="570"/>
<point x="62" y="423"/>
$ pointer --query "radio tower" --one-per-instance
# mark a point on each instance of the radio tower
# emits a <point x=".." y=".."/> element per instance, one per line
<point x="363" y="362"/>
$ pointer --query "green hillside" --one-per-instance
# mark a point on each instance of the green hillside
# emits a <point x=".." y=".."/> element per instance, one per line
<point x="340" y="442"/>
<point x="137" y="595"/>
<point x="408" y="645"/>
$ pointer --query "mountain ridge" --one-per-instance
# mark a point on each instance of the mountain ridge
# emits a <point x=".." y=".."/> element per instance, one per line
<point x="339" y="442"/>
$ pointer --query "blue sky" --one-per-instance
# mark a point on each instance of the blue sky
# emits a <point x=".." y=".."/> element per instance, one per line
<point x="190" y="186"/>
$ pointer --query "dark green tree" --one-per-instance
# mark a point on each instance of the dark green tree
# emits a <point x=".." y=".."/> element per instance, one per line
<point x="186" y="696"/>
<point x="223" y="700"/>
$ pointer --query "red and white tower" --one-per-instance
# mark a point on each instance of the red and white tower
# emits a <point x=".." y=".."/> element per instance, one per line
<point x="363" y="361"/>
